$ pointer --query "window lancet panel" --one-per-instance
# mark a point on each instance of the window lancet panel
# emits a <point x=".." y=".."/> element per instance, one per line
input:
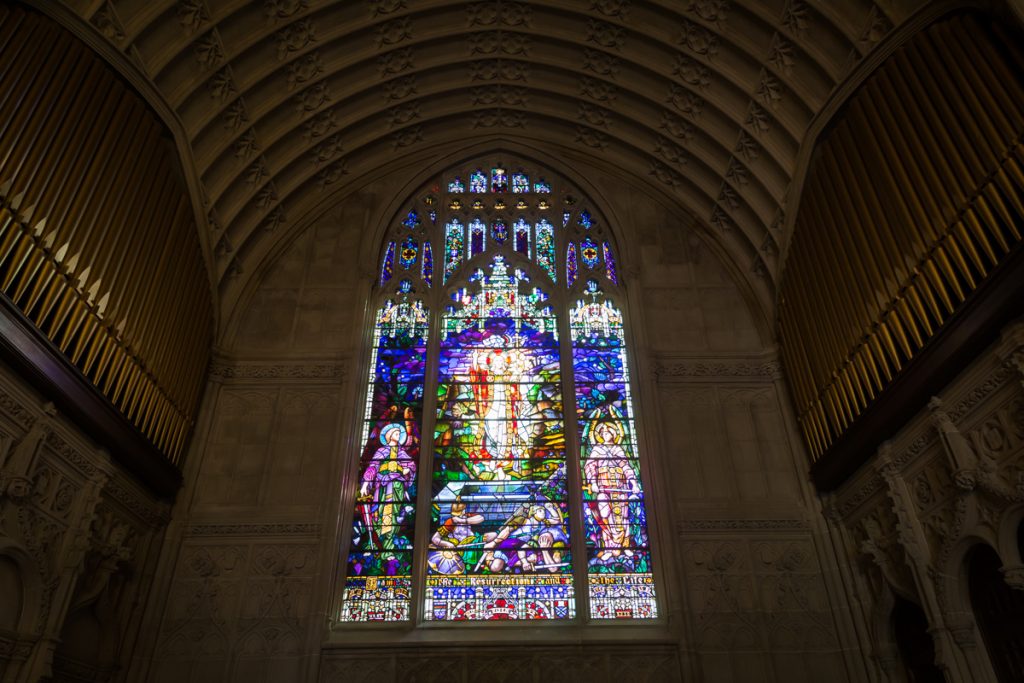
<point x="512" y="507"/>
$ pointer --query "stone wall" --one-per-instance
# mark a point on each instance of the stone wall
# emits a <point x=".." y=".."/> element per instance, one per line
<point x="252" y="560"/>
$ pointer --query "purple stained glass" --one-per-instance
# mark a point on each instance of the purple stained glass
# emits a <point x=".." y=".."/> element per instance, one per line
<point x="456" y="186"/>
<point x="427" y="266"/>
<point x="477" y="237"/>
<point x="379" y="569"/>
<point x="571" y="268"/>
<point x="609" y="263"/>
<point x="522" y="230"/>
<point x="585" y="220"/>
<point x="387" y="268"/>
<point x="499" y="545"/>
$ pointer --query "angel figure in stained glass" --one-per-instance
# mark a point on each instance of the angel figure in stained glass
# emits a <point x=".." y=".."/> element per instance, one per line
<point x="612" y="482"/>
<point x="386" y="484"/>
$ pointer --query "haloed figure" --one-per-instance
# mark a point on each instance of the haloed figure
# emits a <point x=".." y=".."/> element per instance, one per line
<point x="387" y="483"/>
<point x="499" y="391"/>
<point x="612" y="482"/>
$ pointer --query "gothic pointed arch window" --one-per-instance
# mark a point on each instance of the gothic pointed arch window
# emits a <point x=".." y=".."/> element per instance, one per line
<point x="499" y="473"/>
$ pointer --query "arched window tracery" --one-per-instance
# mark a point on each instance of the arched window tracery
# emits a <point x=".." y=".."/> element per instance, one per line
<point x="499" y="475"/>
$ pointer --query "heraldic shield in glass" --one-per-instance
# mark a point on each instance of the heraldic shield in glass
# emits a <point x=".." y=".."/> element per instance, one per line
<point x="615" y="518"/>
<point x="379" y="572"/>
<point x="499" y="547"/>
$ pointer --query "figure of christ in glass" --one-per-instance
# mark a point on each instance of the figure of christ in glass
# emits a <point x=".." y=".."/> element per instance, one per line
<point x="379" y="571"/>
<point x="499" y="546"/>
<point x="621" y="584"/>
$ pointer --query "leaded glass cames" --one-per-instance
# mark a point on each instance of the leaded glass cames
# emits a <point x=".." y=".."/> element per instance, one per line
<point x="501" y="421"/>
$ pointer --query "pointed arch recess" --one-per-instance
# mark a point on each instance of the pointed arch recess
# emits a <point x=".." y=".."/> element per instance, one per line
<point x="492" y="483"/>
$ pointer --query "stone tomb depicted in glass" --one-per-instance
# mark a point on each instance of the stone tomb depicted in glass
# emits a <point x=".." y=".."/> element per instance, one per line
<point x="510" y="464"/>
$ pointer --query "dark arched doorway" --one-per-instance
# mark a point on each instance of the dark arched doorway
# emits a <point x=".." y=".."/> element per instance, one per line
<point x="999" y="612"/>
<point x="916" y="646"/>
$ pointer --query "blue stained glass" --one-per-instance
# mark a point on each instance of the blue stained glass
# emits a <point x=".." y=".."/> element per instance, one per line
<point x="571" y="267"/>
<point x="499" y="545"/>
<point x="499" y="180"/>
<point x="412" y="221"/>
<point x="522" y="230"/>
<point x="454" y="247"/>
<point x="589" y="253"/>
<point x="387" y="268"/>
<point x="499" y="231"/>
<point x="379" y="569"/>
<point x="405" y="286"/>
<point x="409" y="251"/>
<point x="477" y="237"/>
<point x="609" y="263"/>
<point x="433" y="217"/>
<point x="478" y="181"/>
<point x="427" y="267"/>
<point x="585" y="220"/>
<point x="456" y="186"/>
<point x="520" y="183"/>
<point x="542" y="186"/>
<point x="566" y="216"/>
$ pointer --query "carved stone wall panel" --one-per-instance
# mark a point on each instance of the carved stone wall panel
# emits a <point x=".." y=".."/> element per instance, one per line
<point x="235" y="606"/>
<point x="749" y="593"/>
<point x="534" y="664"/>
<point x="729" y="441"/>
<point x="268" y="446"/>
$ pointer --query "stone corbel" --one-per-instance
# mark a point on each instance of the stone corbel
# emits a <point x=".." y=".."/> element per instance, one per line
<point x="963" y="463"/>
<point x="14" y="473"/>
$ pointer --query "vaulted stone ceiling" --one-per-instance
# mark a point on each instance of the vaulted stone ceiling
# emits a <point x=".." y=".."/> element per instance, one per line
<point x="285" y="102"/>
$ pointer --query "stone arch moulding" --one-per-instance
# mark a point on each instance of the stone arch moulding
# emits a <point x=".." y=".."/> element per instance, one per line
<point x="561" y="293"/>
<point x="411" y="172"/>
<point x="31" y="586"/>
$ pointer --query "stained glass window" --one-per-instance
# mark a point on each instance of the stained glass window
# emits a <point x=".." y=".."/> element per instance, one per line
<point x="427" y="267"/>
<point x="546" y="247"/>
<point x="609" y="264"/>
<point x="621" y="584"/>
<point x="499" y="180"/>
<point x="525" y="499"/>
<point x="387" y="267"/>
<point x="378" y="582"/>
<point x="523" y="237"/>
<point x="571" y="267"/>
<point x="478" y="181"/>
<point x="454" y="247"/>
<point x="520" y="183"/>
<point x="477" y="237"/>
<point x="589" y="253"/>
<point x="408" y="253"/>
<point x="412" y="220"/>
